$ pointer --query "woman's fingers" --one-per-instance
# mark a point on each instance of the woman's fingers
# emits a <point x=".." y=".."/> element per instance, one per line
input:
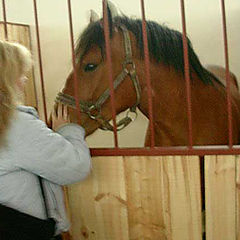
<point x="65" y="112"/>
<point x="60" y="116"/>
<point x="53" y="113"/>
<point x="60" y="110"/>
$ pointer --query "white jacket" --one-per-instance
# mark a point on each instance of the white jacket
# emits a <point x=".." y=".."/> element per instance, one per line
<point x="33" y="149"/>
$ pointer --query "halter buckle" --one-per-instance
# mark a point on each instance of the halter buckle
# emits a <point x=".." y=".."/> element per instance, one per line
<point x="93" y="112"/>
<point x="132" y="112"/>
<point x="130" y="64"/>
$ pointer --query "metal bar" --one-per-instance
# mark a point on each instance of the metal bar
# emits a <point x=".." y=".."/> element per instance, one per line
<point x="228" y="83"/>
<point x="5" y="20"/>
<point x="18" y="24"/>
<point x="40" y="60"/>
<point x="203" y="190"/>
<point x="147" y="72"/>
<point x="187" y="75"/>
<point x="166" y="151"/>
<point x="110" y="73"/>
<point x="76" y="82"/>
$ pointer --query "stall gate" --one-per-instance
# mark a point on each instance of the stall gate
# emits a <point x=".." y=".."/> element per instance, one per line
<point x="156" y="198"/>
<point x="154" y="193"/>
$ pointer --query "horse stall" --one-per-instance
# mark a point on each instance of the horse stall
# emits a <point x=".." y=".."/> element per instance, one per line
<point x="173" y="174"/>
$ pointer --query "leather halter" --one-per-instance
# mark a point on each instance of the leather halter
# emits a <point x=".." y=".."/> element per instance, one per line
<point x="94" y="109"/>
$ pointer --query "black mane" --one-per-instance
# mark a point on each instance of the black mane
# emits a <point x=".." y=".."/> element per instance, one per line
<point x="165" y="45"/>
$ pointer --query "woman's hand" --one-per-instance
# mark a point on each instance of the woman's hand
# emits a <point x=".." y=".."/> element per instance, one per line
<point x="59" y="116"/>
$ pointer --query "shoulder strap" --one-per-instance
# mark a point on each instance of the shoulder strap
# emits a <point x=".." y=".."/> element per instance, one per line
<point x="44" y="197"/>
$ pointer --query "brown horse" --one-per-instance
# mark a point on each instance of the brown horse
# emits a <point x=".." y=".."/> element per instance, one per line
<point x="209" y="98"/>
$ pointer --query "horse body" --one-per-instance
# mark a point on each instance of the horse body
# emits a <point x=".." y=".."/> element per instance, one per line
<point x="209" y="99"/>
<point x="209" y="112"/>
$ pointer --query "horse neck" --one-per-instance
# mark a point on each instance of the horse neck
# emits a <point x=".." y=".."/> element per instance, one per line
<point x="167" y="89"/>
<point x="169" y="104"/>
<point x="209" y="112"/>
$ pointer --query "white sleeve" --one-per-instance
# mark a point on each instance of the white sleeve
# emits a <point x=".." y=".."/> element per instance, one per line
<point x="62" y="158"/>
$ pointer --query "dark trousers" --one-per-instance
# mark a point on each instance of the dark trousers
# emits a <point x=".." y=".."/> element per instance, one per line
<point x="58" y="237"/>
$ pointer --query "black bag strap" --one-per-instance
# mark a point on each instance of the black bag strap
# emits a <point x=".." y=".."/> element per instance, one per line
<point x="44" y="197"/>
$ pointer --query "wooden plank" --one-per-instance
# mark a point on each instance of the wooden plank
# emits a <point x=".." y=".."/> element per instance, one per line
<point x="185" y="202"/>
<point x="163" y="198"/>
<point x="66" y="235"/>
<point x="98" y="204"/>
<point x="220" y="191"/>
<point x="21" y="34"/>
<point x="146" y="198"/>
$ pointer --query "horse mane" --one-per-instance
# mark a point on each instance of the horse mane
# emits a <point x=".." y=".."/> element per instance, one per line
<point x="165" y="45"/>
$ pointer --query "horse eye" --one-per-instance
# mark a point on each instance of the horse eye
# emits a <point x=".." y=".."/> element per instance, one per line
<point x="90" y="67"/>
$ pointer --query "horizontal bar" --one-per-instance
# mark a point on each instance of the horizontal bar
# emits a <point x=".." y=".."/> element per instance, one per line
<point x="13" y="23"/>
<point x="167" y="151"/>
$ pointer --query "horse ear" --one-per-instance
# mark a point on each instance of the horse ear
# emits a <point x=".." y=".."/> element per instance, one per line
<point x="112" y="13"/>
<point x="94" y="16"/>
<point x="112" y="9"/>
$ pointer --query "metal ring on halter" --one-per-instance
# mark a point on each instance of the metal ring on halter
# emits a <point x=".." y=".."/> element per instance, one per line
<point x="92" y="108"/>
<point x="129" y="63"/>
<point x="132" y="112"/>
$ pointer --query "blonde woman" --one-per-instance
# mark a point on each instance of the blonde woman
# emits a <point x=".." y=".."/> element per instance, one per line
<point x="28" y="149"/>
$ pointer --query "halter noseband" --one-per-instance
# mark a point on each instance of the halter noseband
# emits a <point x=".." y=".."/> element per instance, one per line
<point x="94" y="109"/>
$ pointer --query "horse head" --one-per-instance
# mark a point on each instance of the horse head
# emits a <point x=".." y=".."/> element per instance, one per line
<point x="93" y="78"/>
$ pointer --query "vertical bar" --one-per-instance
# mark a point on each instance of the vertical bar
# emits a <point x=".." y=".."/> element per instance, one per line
<point x="76" y="83"/>
<point x="147" y="72"/>
<point x="187" y="75"/>
<point x="5" y="20"/>
<point x="110" y="73"/>
<point x="203" y="195"/>
<point x="229" y="103"/>
<point x="40" y="60"/>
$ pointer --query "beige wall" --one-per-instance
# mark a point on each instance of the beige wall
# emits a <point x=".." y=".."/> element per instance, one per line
<point x="203" y="26"/>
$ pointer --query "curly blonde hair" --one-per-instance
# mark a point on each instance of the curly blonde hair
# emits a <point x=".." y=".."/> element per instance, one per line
<point x="15" y="61"/>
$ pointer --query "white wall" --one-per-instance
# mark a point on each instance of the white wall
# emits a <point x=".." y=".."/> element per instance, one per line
<point x="203" y="26"/>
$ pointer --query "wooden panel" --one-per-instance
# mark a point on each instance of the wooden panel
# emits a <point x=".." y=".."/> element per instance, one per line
<point x="163" y="198"/>
<point x="146" y="198"/>
<point x="98" y="205"/>
<point x="220" y="183"/>
<point x="21" y="34"/>
<point x="185" y="197"/>
<point x="138" y="198"/>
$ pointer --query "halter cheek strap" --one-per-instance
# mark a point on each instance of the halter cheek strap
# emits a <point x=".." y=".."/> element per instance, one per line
<point x="94" y="109"/>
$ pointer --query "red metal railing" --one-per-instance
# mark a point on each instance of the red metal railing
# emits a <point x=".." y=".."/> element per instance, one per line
<point x="229" y="103"/>
<point x="188" y="150"/>
<point x="5" y="19"/>
<point x="40" y="60"/>
<point x="76" y="83"/>
<point x="110" y="73"/>
<point x="187" y="75"/>
<point x="147" y="72"/>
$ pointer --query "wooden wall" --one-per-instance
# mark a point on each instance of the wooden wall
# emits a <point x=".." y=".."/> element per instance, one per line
<point x="156" y="198"/>
<point x="21" y="34"/>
